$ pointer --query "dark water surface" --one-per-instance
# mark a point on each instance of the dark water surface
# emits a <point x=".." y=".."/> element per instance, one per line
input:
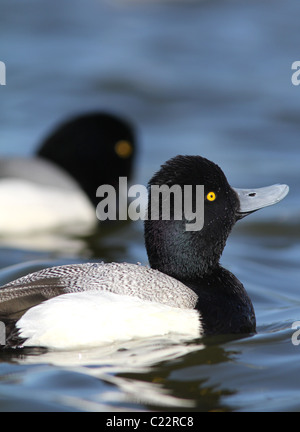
<point x="197" y="77"/>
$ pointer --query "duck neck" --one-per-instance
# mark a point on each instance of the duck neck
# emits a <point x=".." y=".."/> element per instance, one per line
<point x="182" y="254"/>
<point x="223" y="304"/>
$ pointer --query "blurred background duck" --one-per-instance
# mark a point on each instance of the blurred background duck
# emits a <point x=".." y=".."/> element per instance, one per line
<point x="57" y="187"/>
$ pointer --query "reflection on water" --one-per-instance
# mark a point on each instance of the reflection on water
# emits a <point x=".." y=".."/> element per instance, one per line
<point x="114" y="364"/>
<point x="149" y="373"/>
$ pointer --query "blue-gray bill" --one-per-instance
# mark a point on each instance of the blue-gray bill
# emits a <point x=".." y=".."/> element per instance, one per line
<point x="252" y="200"/>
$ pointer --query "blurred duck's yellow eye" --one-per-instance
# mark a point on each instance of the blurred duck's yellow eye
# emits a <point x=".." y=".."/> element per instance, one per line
<point x="123" y="149"/>
<point x="211" y="196"/>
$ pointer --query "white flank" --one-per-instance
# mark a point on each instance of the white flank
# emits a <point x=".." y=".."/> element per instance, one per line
<point x="29" y="207"/>
<point x="90" y="318"/>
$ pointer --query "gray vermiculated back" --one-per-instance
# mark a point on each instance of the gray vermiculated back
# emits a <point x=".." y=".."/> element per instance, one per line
<point x="121" y="278"/>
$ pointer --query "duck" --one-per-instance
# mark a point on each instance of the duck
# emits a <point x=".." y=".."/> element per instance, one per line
<point x="183" y="291"/>
<point x="56" y="188"/>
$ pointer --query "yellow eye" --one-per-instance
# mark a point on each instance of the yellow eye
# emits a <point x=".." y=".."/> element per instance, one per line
<point x="211" y="196"/>
<point x="123" y="149"/>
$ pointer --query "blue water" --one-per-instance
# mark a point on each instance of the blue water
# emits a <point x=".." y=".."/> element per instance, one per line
<point x="196" y="77"/>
